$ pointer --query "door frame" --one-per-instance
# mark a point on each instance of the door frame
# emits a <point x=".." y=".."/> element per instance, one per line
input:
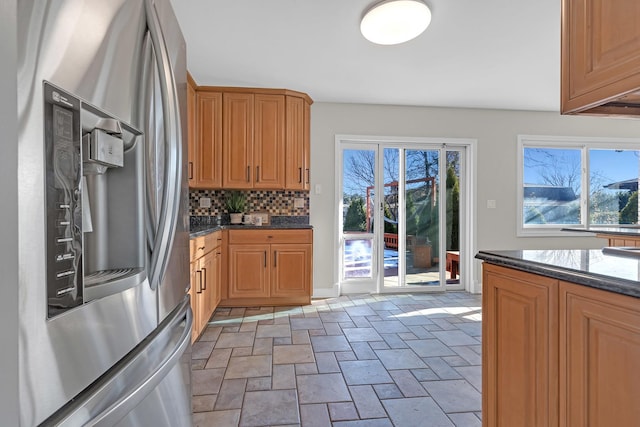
<point x="468" y="280"/>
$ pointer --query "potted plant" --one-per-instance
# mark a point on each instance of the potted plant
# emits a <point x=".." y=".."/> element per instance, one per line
<point x="235" y="206"/>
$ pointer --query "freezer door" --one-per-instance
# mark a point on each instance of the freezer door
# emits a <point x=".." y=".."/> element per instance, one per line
<point x="150" y="387"/>
<point x="167" y="187"/>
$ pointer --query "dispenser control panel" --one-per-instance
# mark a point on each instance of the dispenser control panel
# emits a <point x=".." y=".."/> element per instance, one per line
<point x="63" y="175"/>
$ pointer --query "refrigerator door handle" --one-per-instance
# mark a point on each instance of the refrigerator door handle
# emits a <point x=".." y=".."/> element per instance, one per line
<point x="171" y="199"/>
<point x="147" y="113"/>
<point x="123" y="406"/>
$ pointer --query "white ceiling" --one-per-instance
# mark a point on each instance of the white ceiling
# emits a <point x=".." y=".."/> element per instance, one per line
<point x="501" y="54"/>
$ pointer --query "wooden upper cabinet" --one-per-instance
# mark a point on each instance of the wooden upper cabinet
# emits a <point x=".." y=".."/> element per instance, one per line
<point x="191" y="129"/>
<point x="307" y="145"/>
<point x="246" y="138"/>
<point x="208" y="147"/>
<point x="268" y="141"/>
<point x="237" y="137"/>
<point x="295" y="144"/>
<point x="600" y="57"/>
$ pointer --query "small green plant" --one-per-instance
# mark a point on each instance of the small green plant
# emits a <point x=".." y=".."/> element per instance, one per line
<point x="236" y="202"/>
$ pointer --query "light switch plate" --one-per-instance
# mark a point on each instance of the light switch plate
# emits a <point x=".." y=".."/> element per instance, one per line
<point x="205" y="202"/>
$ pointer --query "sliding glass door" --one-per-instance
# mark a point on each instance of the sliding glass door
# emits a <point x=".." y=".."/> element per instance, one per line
<point x="358" y="250"/>
<point x="401" y="217"/>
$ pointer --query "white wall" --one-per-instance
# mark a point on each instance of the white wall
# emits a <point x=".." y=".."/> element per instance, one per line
<point x="496" y="132"/>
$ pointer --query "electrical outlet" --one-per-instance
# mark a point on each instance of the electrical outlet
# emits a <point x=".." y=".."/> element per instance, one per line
<point x="298" y="202"/>
<point x="205" y="202"/>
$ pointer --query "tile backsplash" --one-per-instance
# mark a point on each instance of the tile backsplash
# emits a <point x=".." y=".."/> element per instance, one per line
<point x="276" y="202"/>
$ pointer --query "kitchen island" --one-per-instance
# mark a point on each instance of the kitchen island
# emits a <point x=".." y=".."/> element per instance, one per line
<point x="622" y="235"/>
<point x="561" y="338"/>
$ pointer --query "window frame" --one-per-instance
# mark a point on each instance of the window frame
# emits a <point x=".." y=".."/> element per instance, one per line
<point x="584" y="144"/>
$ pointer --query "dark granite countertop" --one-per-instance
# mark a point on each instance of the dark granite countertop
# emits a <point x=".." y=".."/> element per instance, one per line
<point x="201" y="230"/>
<point x="201" y="225"/>
<point x="588" y="267"/>
<point x="630" y="230"/>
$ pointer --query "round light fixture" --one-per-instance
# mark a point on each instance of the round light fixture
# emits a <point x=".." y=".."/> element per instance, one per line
<point x="395" y="21"/>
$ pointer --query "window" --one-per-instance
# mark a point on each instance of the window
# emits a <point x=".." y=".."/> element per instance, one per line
<point x="572" y="182"/>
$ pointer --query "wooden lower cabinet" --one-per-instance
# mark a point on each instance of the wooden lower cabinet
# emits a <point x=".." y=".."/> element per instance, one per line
<point x="599" y="357"/>
<point x="269" y="267"/>
<point x="291" y="272"/>
<point x="196" y="299"/>
<point x="519" y="332"/>
<point x="620" y="240"/>
<point x="557" y="353"/>
<point x="205" y="281"/>
<point x="248" y="271"/>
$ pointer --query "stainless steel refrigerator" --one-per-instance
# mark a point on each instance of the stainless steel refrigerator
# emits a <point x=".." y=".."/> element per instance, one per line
<point x="104" y="313"/>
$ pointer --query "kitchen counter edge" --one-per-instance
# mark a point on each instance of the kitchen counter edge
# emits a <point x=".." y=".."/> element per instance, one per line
<point x="608" y="282"/>
<point x="633" y="231"/>
<point x="206" y="229"/>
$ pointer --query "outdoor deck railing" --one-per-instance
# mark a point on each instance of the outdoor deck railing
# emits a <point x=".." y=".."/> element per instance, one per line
<point x="391" y="240"/>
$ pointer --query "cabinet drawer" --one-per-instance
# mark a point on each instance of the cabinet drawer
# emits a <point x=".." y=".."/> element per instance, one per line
<point x="270" y="236"/>
<point x="203" y="244"/>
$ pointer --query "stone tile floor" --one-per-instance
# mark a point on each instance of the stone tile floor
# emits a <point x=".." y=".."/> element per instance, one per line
<point x="366" y="360"/>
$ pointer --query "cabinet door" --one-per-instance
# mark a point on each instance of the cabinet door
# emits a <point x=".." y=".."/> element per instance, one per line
<point x="208" y="170"/>
<point x="295" y="140"/>
<point x="519" y="341"/>
<point x="197" y="300"/>
<point x="192" y="111"/>
<point x="216" y="277"/>
<point x="192" y="293"/>
<point x="268" y="141"/>
<point x="600" y="52"/>
<point x="249" y="269"/>
<point x="291" y="270"/>
<point x="237" y="136"/>
<point x="599" y="357"/>
<point x="209" y="292"/>
<point x="306" y="145"/>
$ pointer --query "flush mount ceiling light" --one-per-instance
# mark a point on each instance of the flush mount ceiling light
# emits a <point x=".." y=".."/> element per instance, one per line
<point x="395" y="21"/>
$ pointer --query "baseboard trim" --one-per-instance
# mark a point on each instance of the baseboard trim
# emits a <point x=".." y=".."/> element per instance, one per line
<point x="333" y="292"/>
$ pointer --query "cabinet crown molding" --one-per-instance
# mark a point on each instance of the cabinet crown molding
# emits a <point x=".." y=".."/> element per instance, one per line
<point x="256" y="90"/>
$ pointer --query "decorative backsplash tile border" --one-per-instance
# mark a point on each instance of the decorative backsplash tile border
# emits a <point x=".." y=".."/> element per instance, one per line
<point x="276" y="202"/>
